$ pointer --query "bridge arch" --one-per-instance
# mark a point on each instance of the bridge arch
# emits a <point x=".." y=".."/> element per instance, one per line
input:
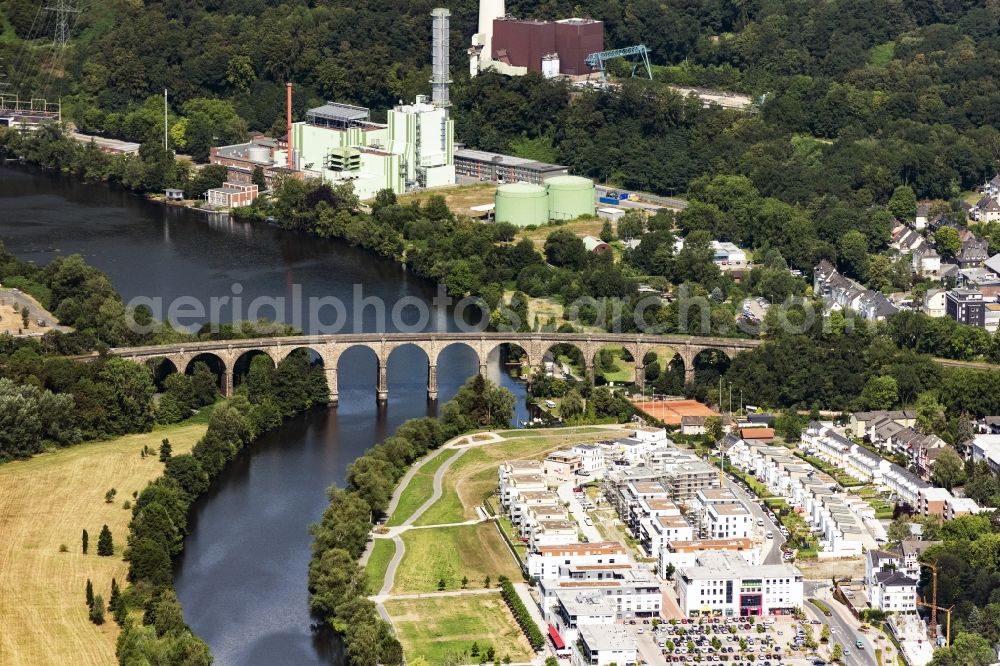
<point x="511" y="355"/>
<point x="161" y="367"/>
<point x="215" y="362"/>
<point x="572" y="356"/>
<point x="242" y="363"/>
<point x="608" y="358"/>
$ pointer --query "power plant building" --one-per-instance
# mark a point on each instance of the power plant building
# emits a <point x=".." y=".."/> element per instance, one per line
<point x="415" y="149"/>
<point x="498" y="168"/>
<point x="515" y="47"/>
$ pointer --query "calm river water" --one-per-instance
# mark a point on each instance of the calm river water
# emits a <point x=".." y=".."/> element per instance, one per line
<point x="242" y="577"/>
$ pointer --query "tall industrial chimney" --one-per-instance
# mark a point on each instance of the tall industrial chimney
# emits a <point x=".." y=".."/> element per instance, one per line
<point x="440" y="78"/>
<point x="288" y="123"/>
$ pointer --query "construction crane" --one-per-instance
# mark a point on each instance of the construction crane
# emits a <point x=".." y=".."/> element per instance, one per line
<point x="934" y="606"/>
<point x="596" y="60"/>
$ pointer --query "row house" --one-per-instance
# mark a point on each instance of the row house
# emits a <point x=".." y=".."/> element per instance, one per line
<point x="865" y="465"/>
<point x="553" y="533"/>
<point x="537" y="513"/>
<point x="517" y="475"/>
<point x="521" y="503"/>
<point x="905" y="484"/>
<point x="861" y="422"/>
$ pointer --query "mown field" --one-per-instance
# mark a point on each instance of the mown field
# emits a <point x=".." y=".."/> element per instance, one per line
<point x="451" y="553"/>
<point x="420" y="488"/>
<point x="45" y="503"/>
<point x="436" y="628"/>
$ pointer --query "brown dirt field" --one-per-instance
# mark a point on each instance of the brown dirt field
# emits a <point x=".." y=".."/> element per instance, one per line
<point x="48" y="501"/>
<point x="590" y="227"/>
<point x="11" y="322"/>
<point x="460" y="199"/>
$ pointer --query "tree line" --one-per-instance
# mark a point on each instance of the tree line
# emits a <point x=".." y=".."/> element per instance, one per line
<point x="338" y="586"/>
<point x="159" y="514"/>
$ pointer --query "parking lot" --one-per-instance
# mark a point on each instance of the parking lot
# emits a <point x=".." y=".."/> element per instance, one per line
<point x="733" y="641"/>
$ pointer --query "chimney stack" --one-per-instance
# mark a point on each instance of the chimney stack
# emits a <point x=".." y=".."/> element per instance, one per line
<point x="288" y="123"/>
<point x="440" y="78"/>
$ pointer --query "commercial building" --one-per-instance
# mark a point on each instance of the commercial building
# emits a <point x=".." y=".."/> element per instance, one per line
<point x="724" y="584"/>
<point x="628" y="589"/>
<point x="966" y="306"/>
<point x="604" y="645"/>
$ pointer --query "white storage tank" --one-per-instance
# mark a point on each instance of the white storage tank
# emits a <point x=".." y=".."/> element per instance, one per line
<point x="261" y="154"/>
<point x="550" y="65"/>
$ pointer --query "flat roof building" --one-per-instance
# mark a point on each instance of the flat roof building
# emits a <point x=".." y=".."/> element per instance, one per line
<point x="498" y="168"/>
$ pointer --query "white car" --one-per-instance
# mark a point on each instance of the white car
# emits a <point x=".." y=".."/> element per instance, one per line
<point x="769" y="534"/>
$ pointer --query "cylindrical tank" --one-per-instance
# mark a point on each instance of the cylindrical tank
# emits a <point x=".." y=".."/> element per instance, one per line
<point x="260" y="154"/>
<point x="570" y="197"/>
<point x="522" y="204"/>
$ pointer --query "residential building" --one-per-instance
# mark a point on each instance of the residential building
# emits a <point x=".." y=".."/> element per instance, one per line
<point x="987" y="448"/>
<point x="973" y="254"/>
<point x="905" y="484"/>
<point x="933" y="304"/>
<point x="686" y="553"/>
<point x="861" y="422"/>
<point x="562" y="466"/>
<point x="957" y="507"/>
<point x="906" y="240"/>
<point x="631" y="591"/>
<point x="553" y="533"/>
<point x="603" y="645"/>
<point x="724" y="583"/>
<point x="546" y="560"/>
<point x="912" y="549"/>
<point x="517" y="476"/>
<point x="923" y="215"/>
<point x="728" y="521"/>
<point x="574" y="610"/>
<point x="926" y="261"/>
<point x="842" y="293"/>
<point x="881" y="561"/>
<point x="893" y="592"/>
<point x="591" y="459"/>
<point x="658" y="530"/>
<point x="933" y="501"/>
<point x="987" y="209"/>
<point x="966" y="306"/>
<point x="992" y="317"/>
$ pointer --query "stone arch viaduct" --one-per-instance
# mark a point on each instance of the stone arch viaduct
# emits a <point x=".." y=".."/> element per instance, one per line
<point x="329" y="349"/>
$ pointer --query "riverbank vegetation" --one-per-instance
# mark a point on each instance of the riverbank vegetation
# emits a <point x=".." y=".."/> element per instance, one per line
<point x="337" y="584"/>
<point x="159" y="514"/>
<point x="47" y="502"/>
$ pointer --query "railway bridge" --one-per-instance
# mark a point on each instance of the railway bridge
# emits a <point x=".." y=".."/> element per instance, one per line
<point x="225" y="354"/>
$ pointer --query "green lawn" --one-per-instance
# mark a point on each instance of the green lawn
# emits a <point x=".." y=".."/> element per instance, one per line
<point x="378" y="562"/>
<point x="624" y="370"/>
<point x="439" y="629"/>
<point x="419" y="489"/>
<point x="451" y="553"/>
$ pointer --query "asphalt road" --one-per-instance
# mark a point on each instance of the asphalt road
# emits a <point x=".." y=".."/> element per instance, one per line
<point x="843" y="628"/>
<point x="773" y="555"/>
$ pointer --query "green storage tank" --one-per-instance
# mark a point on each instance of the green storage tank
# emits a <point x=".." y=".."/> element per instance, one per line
<point x="570" y="197"/>
<point x="522" y="204"/>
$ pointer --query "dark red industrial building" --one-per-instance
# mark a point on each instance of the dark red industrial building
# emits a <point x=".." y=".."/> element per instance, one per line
<point x="523" y="43"/>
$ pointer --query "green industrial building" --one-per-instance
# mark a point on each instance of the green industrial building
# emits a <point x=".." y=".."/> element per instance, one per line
<point x="558" y="198"/>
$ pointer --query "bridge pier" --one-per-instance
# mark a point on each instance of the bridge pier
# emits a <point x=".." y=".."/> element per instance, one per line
<point x="640" y="376"/>
<point x="331" y="383"/>
<point x="482" y="370"/>
<point x="432" y="382"/>
<point x="382" y="391"/>
<point x="227" y="383"/>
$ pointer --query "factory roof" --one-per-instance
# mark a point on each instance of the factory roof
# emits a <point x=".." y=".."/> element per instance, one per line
<point x="336" y="112"/>
<point x="506" y="160"/>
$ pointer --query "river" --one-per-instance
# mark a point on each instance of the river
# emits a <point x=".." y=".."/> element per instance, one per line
<point x="242" y="577"/>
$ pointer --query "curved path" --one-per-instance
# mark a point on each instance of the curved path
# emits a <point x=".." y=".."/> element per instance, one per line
<point x="397" y="557"/>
